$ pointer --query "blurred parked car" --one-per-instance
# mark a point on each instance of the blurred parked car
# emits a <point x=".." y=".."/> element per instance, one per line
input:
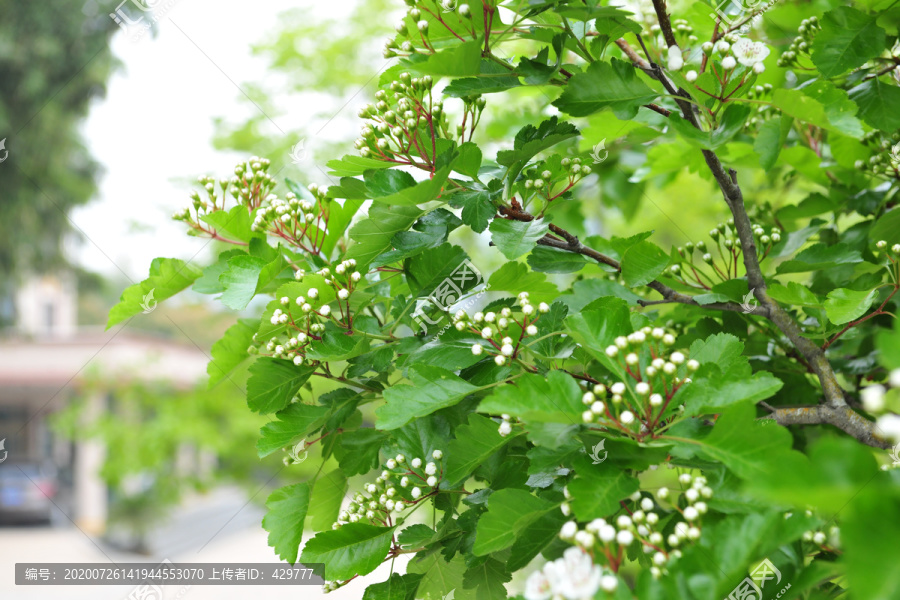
<point x="26" y="490"/>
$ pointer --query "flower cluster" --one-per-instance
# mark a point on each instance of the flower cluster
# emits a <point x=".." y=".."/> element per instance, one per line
<point x="640" y="526"/>
<point x="885" y="160"/>
<point x="544" y="180"/>
<point x="502" y="332"/>
<point x="801" y="44"/>
<point x="302" y="222"/>
<point x="304" y="318"/>
<point x="416" y="25"/>
<point x="829" y="542"/>
<point x="399" y="486"/>
<point x="250" y="186"/>
<point x="654" y="375"/>
<point x="574" y="577"/>
<point x="728" y="247"/>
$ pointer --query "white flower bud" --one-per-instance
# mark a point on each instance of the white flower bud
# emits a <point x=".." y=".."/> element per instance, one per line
<point x="598" y="408"/>
<point x="343" y="294"/>
<point x="500" y="360"/>
<point x="487" y="333"/>
<point x="531" y="330"/>
<point x="505" y="428"/>
<point x="313" y="293"/>
<point x="690" y="513"/>
<point x="416" y="492"/>
<point x="607" y="533"/>
<point x="568" y="530"/>
<point x="872" y="397"/>
<point x="609" y="583"/>
<point x="677" y="358"/>
<point x="617" y="388"/>
<point x="647" y="504"/>
<point x="624" y="538"/>
<point x="611" y="351"/>
<point x="627" y="417"/>
<point x="662" y="493"/>
<point x="431" y="481"/>
<point x="477" y="349"/>
<point x="642" y="388"/>
<point x="728" y="63"/>
<point x="692" y="495"/>
<point x="587" y="416"/>
<point x="656" y="400"/>
<point x="437" y="455"/>
<point x="691" y="76"/>
<point x="506" y="350"/>
<point x="543" y="307"/>
<point x="565" y="508"/>
<point x="584" y="539"/>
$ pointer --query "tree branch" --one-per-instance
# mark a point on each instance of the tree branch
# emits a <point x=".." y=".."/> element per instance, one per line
<point x="844" y="418"/>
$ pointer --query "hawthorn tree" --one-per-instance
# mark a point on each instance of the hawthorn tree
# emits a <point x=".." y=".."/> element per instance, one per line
<point x="700" y="422"/>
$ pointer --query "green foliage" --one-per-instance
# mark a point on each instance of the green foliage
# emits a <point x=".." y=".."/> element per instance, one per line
<point x="531" y="422"/>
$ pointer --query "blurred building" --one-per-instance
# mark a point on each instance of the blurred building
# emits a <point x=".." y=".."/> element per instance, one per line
<point x="44" y="360"/>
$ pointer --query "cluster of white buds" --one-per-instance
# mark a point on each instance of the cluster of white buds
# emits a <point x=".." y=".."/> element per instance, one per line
<point x="294" y="219"/>
<point x="505" y="425"/>
<point x="401" y="484"/>
<point x="542" y="182"/>
<point x="640" y="525"/>
<point x="729" y="249"/>
<point x="640" y="404"/>
<point x="802" y="44"/>
<point x="250" y="186"/>
<point x="303" y="323"/>
<point x="502" y="331"/>
<point x="574" y="575"/>
<point x="414" y="27"/>
<point x="828" y="542"/>
<point x="343" y="279"/>
<point x="885" y="147"/>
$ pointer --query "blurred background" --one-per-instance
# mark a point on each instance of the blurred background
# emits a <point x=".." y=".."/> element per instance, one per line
<point x="112" y="446"/>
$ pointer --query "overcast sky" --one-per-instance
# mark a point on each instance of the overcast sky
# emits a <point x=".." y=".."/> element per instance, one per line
<point x="153" y="132"/>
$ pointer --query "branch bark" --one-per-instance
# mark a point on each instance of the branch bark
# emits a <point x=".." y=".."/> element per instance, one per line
<point x="835" y="408"/>
<point x="844" y="418"/>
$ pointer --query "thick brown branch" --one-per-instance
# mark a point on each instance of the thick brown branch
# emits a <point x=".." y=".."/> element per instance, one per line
<point x="843" y="417"/>
<point x="665" y="24"/>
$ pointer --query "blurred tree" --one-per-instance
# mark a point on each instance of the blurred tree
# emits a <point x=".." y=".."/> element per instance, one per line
<point x="54" y="59"/>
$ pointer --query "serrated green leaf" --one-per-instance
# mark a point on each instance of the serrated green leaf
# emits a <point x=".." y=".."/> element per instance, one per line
<point x="474" y="443"/>
<point x="168" y="276"/>
<point x="533" y="398"/>
<point x="843" y="305"/>
<point x="233" y="224"/>
<point x="530" y="140"/>
<point x="877" y="102"/>
<point x="462" y="60"/>
<point x="510" y="511"/>
<point x="847" y="39"/>
<point x="296" y="421"/>
<point x="357" y="451"/>
<point x="514" y="277"/>
<point x="327" y="494"/>
<point x="230" y="350"/>
<point x="614" y="84"/>
<point x="273" y="383"/>
<point x="352" y="549"/>
<point x="373" y="235"/>
<point x="432" y="389"/>
<point x="287" y="509"/>
<point x="515" y="238"/>
<point x="642" y="263"/>
<point x="247" y="275"/>
<point x="398" y="587"/>
<point x="351" y="165"/>
<point x="598" y="489"/>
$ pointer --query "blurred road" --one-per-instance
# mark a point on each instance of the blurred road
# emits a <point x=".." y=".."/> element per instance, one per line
<point x="242" y="539"/>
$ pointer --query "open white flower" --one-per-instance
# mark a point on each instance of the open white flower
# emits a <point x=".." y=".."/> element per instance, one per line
<point x="749" y="53"/>
<point x="537" y="587"/>
<point x="580" y="577"/>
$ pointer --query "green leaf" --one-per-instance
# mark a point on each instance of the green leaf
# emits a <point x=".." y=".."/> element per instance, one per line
<point x="287" y="509"/>
<point x="530" y="140"/>
<point x="339" y="218"/>
<point x="351" y="165"/>
<point x="534" y="539"/>
<point x="233" y="224"/>
<point x="273" y="383"/>
<point x="487" y="579"/>
<point x="450" y="354"/>
<point x="462" y="60"/>
<point x="493" y="78"/>
<point x="168" y="276"/>
<point x="357" y="451"/>
<point x="430" y="231"/>
<point x="431" y="268"/>
<point x="352" y="549"/>
<point x="469" y="160"/>
<point x="819" y="256"/>
<point x="598" y="489"/>
<point x="327" y="494"/>
<point x="510" y="511"/>
<point x="771" y="137"/>
<point x="398" y="587"/>
<point x="877" y="102"/>
<point x="869" y="533"/>
<point x="474" y="443"/>
<point x="515" y="238"/>
<point x="887" y="228"/>
<point x="296" y="421"/>
<point x="848" y="38"/>
<point x="373" y="235"/>
<point x="840" y="111"/>
<point x="642" y="263"/>
<point x="336" y="345"/>
<point x="514" y="277"/>
<point x="246" y="275"/>
<point x="714" y="389"/>
<point x="843" y="305"/>
<point x="732" y="122"/>
<point x="555" y="398"/>
<point x="477" y="208"/>
<point x="597" y="328"/>
<point x="614" y="84"/>
<point x="432" y="389"/>
<point x="794" y="294"/>
<point x="230" y="351"/>
<point x="553" y="260"/>
<point x="421" y="192"/>
<point x="387" y="182"/>
<point x="748" y="448"/>
<point x="438" y="575"/>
